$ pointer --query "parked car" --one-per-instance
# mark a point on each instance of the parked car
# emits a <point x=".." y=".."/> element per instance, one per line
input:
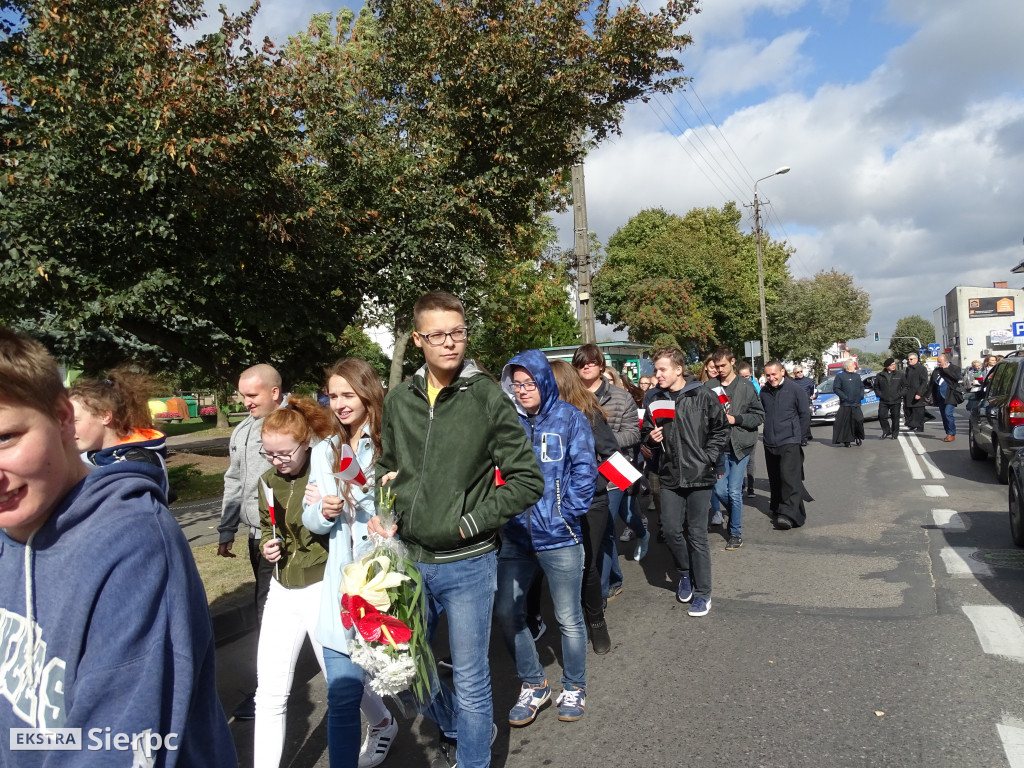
<point x="1017" y="491"/>
<point x="997" y="408"/>
<point x="825" y="406"/>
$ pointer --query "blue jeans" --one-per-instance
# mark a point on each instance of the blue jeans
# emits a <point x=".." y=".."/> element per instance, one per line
<point x="729" y="489"/>
<point x="517" y="568"/>
<point x="464" y="589"/>
<point x="344" y="692"/>
<point x="611" y="573"/>
<point x="948" y="422"/>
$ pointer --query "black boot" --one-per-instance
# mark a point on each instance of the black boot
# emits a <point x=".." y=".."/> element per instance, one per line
<point x="599" y="635"/>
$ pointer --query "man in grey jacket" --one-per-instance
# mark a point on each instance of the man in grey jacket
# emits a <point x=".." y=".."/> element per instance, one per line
<point x="260" y="388"/>
<point x="745" y="414"/>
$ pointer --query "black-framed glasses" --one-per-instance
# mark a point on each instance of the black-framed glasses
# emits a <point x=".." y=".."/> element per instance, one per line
<point x="282" y="457"/>
<point x="526" y="386"/>
<point x="438" y="338"/>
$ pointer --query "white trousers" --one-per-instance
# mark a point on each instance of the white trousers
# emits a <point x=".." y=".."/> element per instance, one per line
<point x="289" y="617"/>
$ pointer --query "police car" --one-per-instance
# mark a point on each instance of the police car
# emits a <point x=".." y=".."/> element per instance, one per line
<point x="825" y="406"/>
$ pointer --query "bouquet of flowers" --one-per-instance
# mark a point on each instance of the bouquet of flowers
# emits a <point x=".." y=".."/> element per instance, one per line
<point x="382" y="597"/>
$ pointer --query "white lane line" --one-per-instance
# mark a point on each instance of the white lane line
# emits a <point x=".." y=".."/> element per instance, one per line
<point x="948" y="520"/>
<point x="919" y="449"/>
<point x="999" y="630"/>
<point x="935" y="491"/>
<point x="908" y="454"/>
<point x="958" y="562"/>
<point x="1013" y="743"/>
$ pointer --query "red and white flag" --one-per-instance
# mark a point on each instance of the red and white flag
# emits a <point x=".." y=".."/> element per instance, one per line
<point x="348" y="468"/>
<point x="723" y="398"/>
<point x="620" y="471"/>
<point x="498" y="479"/>
<point x="269" y="496"/>
<point x="662" y="409"/>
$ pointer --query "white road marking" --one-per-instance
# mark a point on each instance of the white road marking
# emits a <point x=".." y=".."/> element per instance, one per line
<point x="949" y="520"/>
<point x="908" y="454"/>
<point x="958" y="562"/>
<point x="1012" y="737"/>
<point x="919" y="449"/>
<point x="999" y="630"/>
<point x="935" y="491"/>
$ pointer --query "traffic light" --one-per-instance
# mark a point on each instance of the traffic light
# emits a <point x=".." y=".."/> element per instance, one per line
<point x="876" y="335"/>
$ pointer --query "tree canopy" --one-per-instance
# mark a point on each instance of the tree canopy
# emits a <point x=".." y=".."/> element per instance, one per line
<point x="231" y="203"/>
<point x="692" y="277"/>
<point x="912" y="325"/>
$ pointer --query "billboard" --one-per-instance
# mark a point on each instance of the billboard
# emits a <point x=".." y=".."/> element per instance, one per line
<point x="990" y="306"/>
<point x="1003" y="336"/>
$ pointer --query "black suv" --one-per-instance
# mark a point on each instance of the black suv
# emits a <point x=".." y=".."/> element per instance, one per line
<point x="998" y="407"/>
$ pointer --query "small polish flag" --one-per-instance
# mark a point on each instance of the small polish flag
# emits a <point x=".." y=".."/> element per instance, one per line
<point x="723" y="398"/>
<point x="498" y="479"/>
<point x="662" y="409"/>
<point x="269" y="496"/>
<point x="348" y="467"/>
<point x="620" y="471"/>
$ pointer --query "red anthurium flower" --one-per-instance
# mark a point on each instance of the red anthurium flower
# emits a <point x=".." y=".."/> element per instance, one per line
<point x="374" y="626"/>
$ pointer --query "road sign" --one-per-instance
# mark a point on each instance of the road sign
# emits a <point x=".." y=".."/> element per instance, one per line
<point x="751" y="349"/>
<point x="934" y="350"/>
<point x="1018" y="330"/>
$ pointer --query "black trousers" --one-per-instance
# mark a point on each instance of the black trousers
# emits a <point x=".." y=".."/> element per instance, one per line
<point x="785" y="467"/>
<point x="915" y="416"/>
<point x="889" y="417"/>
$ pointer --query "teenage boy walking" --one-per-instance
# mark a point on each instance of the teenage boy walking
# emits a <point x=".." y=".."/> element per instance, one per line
<point x="745" y="415"/>
<point x="443" y="434"/>
<point x="691" y="441"/>
<point x="103" y="618"/>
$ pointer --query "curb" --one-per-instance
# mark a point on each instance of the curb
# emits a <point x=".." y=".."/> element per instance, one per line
<point x="233" y="622"/>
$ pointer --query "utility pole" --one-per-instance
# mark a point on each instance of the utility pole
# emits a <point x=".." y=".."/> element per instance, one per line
<point x="760" y="280"/>
<point x="579" y="210"/>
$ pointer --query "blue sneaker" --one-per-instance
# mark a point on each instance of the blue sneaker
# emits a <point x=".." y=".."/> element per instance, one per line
<point x="700" y="607"/>
<point x="642" y="544"/>
<point x="571" y="703"/>
<point x="684" y="592"/>
<point x="531" y="699"/>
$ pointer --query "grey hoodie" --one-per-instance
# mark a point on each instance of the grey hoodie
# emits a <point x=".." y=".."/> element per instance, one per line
<point x="241" y="481"/>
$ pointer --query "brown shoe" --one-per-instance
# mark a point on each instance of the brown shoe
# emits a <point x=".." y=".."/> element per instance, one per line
<point x="949" y="438"/>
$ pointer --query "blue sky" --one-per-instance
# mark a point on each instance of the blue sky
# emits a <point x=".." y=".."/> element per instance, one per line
<point x="902" y="121"/>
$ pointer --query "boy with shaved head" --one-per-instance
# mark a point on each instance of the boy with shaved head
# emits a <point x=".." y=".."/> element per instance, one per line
<point x="260" y="388"/>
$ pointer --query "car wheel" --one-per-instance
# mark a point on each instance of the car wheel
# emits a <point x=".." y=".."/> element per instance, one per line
<point x="1016" y="523"/>
<point x="976" y="453"/>
<point x="1002" y="468"/>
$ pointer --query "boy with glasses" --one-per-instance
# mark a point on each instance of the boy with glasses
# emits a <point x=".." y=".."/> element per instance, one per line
<point x="444" y="433"/>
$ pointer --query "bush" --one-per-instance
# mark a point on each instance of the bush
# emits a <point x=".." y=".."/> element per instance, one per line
<point x="209" y="410"/>
<point x="168" y="415"/>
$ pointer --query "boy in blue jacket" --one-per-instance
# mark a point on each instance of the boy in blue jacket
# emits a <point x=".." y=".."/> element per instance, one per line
<point x="103" y="618"/>
<point x="547" y="537"/>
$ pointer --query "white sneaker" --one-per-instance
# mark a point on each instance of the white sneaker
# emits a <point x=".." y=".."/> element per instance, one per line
<point x="377" y="744"/>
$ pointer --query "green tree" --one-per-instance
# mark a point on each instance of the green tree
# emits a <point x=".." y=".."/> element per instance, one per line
<point x="659" y="307"/>
<point x="158" y="190"/>
<point x="872" y="360"/>
<point x="912" y="325"/>
<point x="813" y="314"/>
<point x="706" y="252"/>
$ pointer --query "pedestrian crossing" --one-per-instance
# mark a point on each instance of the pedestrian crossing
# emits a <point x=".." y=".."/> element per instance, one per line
<point x="1000" y="631"/>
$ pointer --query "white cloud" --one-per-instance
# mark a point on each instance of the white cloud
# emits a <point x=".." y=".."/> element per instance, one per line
<point x="751" y="64"/>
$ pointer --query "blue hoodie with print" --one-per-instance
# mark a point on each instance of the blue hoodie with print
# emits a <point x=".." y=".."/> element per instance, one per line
<point x="564" y="445"/>
<point x="104" y="626"/>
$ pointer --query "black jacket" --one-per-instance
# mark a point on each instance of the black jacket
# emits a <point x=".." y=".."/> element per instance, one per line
<point x="889" y="387"/>
<point x="952" y="376"/>
<point x="807" y="385"/>
<point x="849" y="388"/>
<point x="693" y="440"/>
<point x="915" y="382"/>
<point x="787" y="414"/>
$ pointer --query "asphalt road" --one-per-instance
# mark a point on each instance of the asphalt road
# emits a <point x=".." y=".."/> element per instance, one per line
<point x="880" y="634"/>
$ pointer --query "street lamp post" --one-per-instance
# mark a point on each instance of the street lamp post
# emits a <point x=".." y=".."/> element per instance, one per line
<point x="760" y="265"/>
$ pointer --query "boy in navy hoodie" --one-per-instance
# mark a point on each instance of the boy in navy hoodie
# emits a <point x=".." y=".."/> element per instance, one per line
<point x="104" y="625"/>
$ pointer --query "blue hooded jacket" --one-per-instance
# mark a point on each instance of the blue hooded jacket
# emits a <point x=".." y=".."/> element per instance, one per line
<point x="104" y="626"/>
<point x="564" y="444"/>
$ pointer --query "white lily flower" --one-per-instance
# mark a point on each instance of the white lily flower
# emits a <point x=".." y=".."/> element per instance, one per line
<point x="374" y="591"/>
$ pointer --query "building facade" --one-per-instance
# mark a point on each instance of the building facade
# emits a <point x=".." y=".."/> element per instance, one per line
<point x="976" y="321"/>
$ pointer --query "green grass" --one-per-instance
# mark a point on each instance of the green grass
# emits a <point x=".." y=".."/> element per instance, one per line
<point x="224" y="576"/>
<point x="192" y="485"/>
<point x="196" y="427"/>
